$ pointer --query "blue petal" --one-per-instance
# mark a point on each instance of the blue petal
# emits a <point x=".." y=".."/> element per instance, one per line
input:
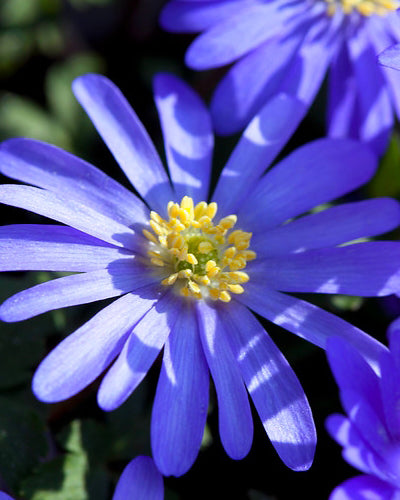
<point x="274" y="388"/>
<point x="181" y="400"/>
<point x="262" y="140"/>
<point x="309" y="321"/>
<point x="363" y="488"/>
<point x="235" y="420"/>
<point x="365" y="269"/>
<point x="346" y="222"/>
<point x="125" y="136"/>
<point x="82" y="356"/>
<point x="120" y="277"/>
<point x="54" y="248"/>
<point x="140" y="480"/>
<point x="139" y="352"/>
<point x="48" y="167"/>
<point x="188" y="136"/>
<point x="315" y="173"/>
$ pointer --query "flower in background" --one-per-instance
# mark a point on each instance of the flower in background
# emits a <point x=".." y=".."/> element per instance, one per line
<point x="4" y="496"/>
<point x="140" y="480"/>
<point x="187" y="278"/>
<point x="390" y="57"/>
<point x="370" y="434"/>
<point x="287" y="46"/>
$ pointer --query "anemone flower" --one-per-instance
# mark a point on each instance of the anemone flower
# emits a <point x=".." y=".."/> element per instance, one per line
<point x="370" y="433"/>
<point x="188" y="280"/>
<point x="140" y="480"/>
<point x="287" y="46"/>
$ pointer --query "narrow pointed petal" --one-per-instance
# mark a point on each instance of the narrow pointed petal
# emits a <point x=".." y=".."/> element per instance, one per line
<point x="119" y="278"/>
<point x="235" y="420"/>
<point x="330" y="227"/>
<point x="140" y="480"/>
<point x="260" y="143"/>
<point x="243" y="91"/>
<point x="82" y="356"/>
<point x="218" y="45"/>
<point x="63" y="209"/>
<point x="139" y="352"/>
<point x="43" y="165"/>
<point x="184" y="17"/>
<point x="188" y="136"/>
<point x="29" y="247"/>
<point x="315" y="173"/>
<point x="274" y="388"/>
<point x="309" y="321"/>
<point x="125" y="136"/>
<point x="342" y="97"/>
<point x="366" y="269"/>
<point x="181" y="400"/>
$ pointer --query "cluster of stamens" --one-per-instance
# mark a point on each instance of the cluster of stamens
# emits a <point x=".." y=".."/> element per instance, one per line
<point x="364" y="7"/>
<point x="203" y="259"/>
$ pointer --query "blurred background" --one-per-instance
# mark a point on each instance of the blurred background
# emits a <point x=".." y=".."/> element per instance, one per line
<point x="73" y="450"/>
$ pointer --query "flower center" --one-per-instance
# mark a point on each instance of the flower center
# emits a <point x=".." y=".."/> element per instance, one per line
<point x="363" y="7"/>
<point x="202" y="259"/>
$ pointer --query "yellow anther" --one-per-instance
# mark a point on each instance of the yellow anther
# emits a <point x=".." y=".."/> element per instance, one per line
<point x="212" y="210"/>
<point x="185" y="273"/>
<point x="230" y="252"/>
<point x="157" y="228"/>
<point x="173" y="210"/>
<point x="157" y="262"/>
<point x="200" y="209"/>
<point x="193" y="287"/>
<point x="228" y="222"/>
<point x="236" y="289"/>
<point x="238" y="277"/>
<point x="224" y="296"/>
<point x="187" y="203"/>
<point x="156" y="217"/>
<point x="150" y="236"/>
<point x="170" y="280"/>
<point x="152" y="253"/>
<point x="205" y="222"/>
<point x="201" y="279"/>
<point x="191" y="259"/>
<point x="364" y="7"/>
<point x="185" y="291"/>
<point x="214" y="294"/>
<point x="205" y="247"/>
<point x="248" y="254"/>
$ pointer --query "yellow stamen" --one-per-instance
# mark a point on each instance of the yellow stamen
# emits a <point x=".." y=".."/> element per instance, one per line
<point x="204" y="259"/>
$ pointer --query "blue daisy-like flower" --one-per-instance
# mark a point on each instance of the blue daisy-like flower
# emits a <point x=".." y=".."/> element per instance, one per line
<point x="140" y="480"/>
<point x="188" y="280"/>
<point x="284" y="45"/>
<point x="370" y="433"/>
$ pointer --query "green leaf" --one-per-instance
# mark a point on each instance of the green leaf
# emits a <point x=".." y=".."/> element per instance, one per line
<point x="22" y="441"/>
<point x="22" y="117"/>
<point x="387" y="179"/>
<point x="71" y="476"/>
<point x="59" y="94"/>
<point x="22" y="348"/>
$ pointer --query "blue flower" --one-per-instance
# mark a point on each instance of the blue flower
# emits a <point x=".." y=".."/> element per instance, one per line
<point x="188" y="280"/>
<point x="370" y="434"/>
<point x="140" y="480"/>
<point x="287" y="46"/>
